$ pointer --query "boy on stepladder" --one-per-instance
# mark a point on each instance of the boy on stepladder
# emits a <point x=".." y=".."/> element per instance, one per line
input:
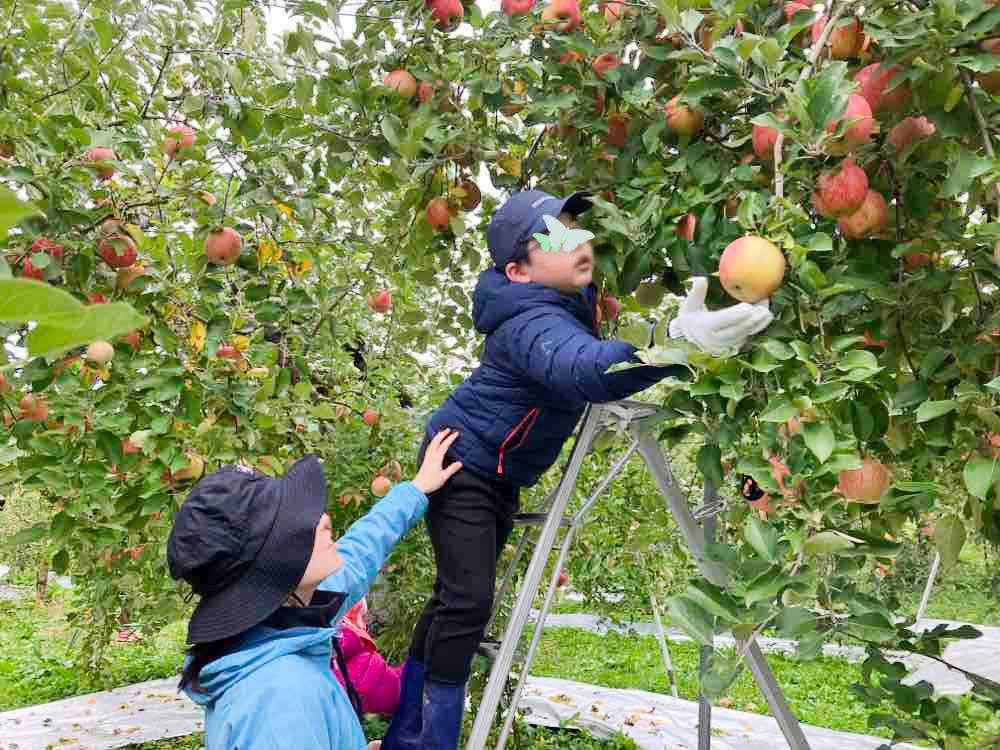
<point x="542" y="363"/>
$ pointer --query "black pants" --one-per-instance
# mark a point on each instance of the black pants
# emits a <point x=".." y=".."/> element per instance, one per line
<point x="469" y="521"/>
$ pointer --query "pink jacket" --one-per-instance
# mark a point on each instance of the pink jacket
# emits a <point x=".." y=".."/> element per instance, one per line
<point x="377" y="683"/>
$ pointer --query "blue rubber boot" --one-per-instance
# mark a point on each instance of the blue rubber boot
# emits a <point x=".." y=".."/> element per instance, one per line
<point x="444" y="703"/>
<point x="407" y="723"/>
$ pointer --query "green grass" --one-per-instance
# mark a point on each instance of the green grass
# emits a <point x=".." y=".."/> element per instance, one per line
<point x="36" y="656"/>
<point x="817" y="691"/>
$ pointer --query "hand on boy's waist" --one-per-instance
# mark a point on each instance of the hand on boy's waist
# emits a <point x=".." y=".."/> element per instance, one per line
<point x="718" y="331"/>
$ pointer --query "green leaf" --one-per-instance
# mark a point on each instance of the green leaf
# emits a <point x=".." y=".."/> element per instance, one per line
<point x="23" y="300"/>
<point x="819" y="439"/>
<point x="714" y="601"/>
<point x="872" y="627"/>
<point x="858" y="359"/>
<point x="762" y="537"/>
<point x="95" y="322"/>
<point x="826" y="543"/>
<point x="933" y="409"/>
<point x="949" y="538"/>
<point x="829" y="392"/>
<point x="780" y="409"/>
<point x="12" y="210"/>
<point x="691" y="618"/>
<point x="979" y="475"/>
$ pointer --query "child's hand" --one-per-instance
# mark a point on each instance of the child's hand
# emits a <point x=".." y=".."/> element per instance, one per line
<point x="431" y="475"/>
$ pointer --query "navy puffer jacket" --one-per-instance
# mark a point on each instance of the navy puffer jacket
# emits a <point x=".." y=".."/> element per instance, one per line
<point x="541" y="364"/>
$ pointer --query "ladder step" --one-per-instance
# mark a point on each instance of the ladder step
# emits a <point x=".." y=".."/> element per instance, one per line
<point x="489" y="648"/>
<point x="536" y="519"/>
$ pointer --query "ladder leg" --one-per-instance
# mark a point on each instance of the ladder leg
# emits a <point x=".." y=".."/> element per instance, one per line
<point x="564" y="548"/>
<point x="775" y="698"/>
<point x="508" y="576"/>
<point x="696" y="540"/>
<point x="529" y="588"/>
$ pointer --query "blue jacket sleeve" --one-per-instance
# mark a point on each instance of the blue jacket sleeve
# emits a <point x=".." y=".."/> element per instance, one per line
<point x="371" y="539"/>
<point x="562" y="357"/>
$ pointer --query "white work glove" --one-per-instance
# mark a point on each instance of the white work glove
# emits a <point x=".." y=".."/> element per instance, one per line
<point x="716" y="332"/>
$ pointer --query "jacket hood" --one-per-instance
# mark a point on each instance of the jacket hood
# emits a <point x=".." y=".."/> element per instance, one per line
<point x="262" y="646"/>
<point x="498" y="299"/>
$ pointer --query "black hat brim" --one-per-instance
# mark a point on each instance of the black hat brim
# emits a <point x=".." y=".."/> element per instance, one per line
<point x="278" y="567"/>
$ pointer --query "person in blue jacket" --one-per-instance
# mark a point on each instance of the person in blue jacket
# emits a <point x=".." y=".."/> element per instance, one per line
<point x="543" y="361"/>
<point x="273" y="584"/>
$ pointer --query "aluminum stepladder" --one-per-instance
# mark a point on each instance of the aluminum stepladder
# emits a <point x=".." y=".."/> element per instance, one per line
<point x="637" y="419"/>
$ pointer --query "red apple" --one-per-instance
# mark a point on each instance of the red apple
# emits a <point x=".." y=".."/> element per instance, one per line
<point x="380" y="300"/>
<point x="682" y="119"/>
<point x="6" y="149"/>
<point x="222" y="246"/>
<point x="844" y="40"/>
<point x="179" y="138"/>
<point x="44" y="244"/>
<point x="857" y="134"/>
<point x="570" y="57"/>
<point x="865" y="485"/>
<point x="228" y="351"/>
<point x="904" y="134"/>
<point x="751" y="268"/>
<point x="33" y="408"/>
<point x="473" y="196"/>
<point x="841" y="193"/>
<point x="98" y="155"/>
<point x="438" y="213"/>
<point x="764" y="139"/>
<point x="614" y="12"/>
<point x="118" y="250"/>
<point x="562" y="15"/>
<point x="875" y="85"/>
<point x="686" y="227"/>
<point x="447" y="14"/>
<point x="617" y="131"/>
<point x="133" y="339"/>
<point x="370" y="417"/>
<point x="604" y="63"/>
<point x="563" y="578"/>
<point x="514" y="7"/>
<point x="794" y="6"/>
<point x="871" y="218"/>
<point x="96" y="298"/>
<point x="29" y="271"/>
<point x="402" y="82"/>
<point x="380" y="486"/>
<point x="100" y="352"/>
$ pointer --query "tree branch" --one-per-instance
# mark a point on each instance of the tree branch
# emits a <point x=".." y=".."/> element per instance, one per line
<point x="156" y="83"/>
<point x="837" y="10"/>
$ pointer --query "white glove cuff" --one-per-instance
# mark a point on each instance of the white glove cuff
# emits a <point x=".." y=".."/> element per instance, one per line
<point x="675" y="330"/>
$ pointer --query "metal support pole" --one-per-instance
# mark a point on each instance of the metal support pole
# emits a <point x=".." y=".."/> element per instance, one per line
<point x="704" y="705"/>
<point x="661" y="637"/>
<point x="705" y="652"/>
<point x="529" y="588"/>
<point x="935" y="566"/>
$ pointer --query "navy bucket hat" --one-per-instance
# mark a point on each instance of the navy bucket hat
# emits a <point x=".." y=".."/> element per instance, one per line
<point x="242" y="540"/>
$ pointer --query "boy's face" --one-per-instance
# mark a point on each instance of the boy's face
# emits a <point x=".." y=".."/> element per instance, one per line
<point x="568" y="272"/>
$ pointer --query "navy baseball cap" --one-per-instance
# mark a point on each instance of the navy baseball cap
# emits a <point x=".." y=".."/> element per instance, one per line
<point x="520" y="217"/>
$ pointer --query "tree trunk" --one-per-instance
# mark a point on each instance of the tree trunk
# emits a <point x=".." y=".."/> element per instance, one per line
<point x="42" y="582"/>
